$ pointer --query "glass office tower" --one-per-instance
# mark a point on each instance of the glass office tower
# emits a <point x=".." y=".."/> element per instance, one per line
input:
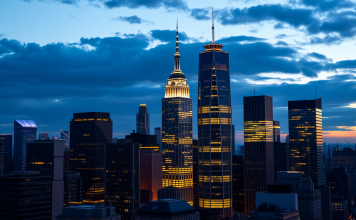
<point x="89" y="134"/>
<point x="143" y="120"/>
<point x="259" y="156"/>
<point x="177" y="134"/>
<point x="214" y="130"/>
<point x="24" y="131"/>
<point x="305" y="139"/>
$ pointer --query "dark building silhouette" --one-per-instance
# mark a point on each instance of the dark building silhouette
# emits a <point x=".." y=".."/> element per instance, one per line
<point x="89" y="212"/>
<point x="281" y="157"/>
<point x="123" y="178"/>
<point x="73" y="188"/>
<point x="306" y="146"/>
<point x="25" y="195"/>
<point x="167" y="209"/>
<point x="238" y="193"/>
<point x="2" y="152"/>
<point x="276" y="132"/>
<point x="233" y="147"/>
<point x="43" y="136"/>
<point x="65" y="137"/>
<point x="259" y="154"/>
<point x="46" y="156"/>
<point x="214" y="130"/>
<point x="195" y="174"/>
<point x="158" y="133"/>
<point x="344" y="158"/>
<point x="146" y="141"/>
<point x="89" y="134"/>
<point x="177" y="134"/>
<point x="169" y="192"/>
<point x="24" y="131"/>
<point x="143" y="120"/>
<point x="150" y="172"/>
<point x="339" y="208"/>
<point x="6" y="140"/>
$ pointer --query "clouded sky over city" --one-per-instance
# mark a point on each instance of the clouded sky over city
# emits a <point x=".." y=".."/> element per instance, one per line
<point x="58" y="57"/>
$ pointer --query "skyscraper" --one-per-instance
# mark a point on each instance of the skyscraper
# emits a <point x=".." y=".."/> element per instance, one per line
<point x="90" y="132"/>
<point x="214" y="130"/>
<point x="150" y="172"/>
<point x="24" y="131"/>
<point x="158" y="133"/>
<point x="276" y="132"/>
<point x="259" y="155"/>
<point x="65" y="137"/>
<point x="7" y="149"/>
<point x="143" y="120"/>
<point x="177" y="134"/>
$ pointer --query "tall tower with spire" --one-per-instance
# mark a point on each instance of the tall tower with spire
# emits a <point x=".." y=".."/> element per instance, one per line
<point x="177" y="134"/>
<point x="214" y="129"/>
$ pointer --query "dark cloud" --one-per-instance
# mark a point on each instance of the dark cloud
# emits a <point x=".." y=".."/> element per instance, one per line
<point x="169" y="36"/>
<point x="236" y="39"/>
<point x="326" y="5"/>
<point x="328" y="40"/>
<point x="201" y="13"/>
<point x="317" y="56"/>
<point x="169" y="4"/>
<point x="282" y="43"/>
<point x="131" y="19"/>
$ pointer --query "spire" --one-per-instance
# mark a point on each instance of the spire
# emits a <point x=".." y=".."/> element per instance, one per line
<point x="212" y="18"/>
<point x="177" y="55"/>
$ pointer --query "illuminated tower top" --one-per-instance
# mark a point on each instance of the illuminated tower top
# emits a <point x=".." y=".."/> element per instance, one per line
<point x="213" y="45"/>
<point x="177" y="83"/>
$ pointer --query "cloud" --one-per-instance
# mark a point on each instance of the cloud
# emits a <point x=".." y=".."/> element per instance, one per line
<point x="317" y="56"/>
<point x="282" y="43"/>
<point x="326" y="5"/>
<point x="281" y="36"/>
<point x="131" y="19"/>
<point x="328" y="40"/>
<point x="242" y="38"/>
<point x="201" y="13"/>
<point x="169" y="4"/>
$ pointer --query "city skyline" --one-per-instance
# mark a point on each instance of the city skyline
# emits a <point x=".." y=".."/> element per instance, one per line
<point x="283" y="70"/>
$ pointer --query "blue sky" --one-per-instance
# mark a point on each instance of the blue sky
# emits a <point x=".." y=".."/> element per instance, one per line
<point x="58" y="57"/>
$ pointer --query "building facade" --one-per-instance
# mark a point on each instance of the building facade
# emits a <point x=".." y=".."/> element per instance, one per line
<point x="258" y="142"/>
<point x="25" y="195"/>
<point x="6" y="140"/>
<point x="123" y="178"/>
<point x="92" y="212"/>
<point x="177" y="133"/>
<point x="238" y="193"/>
<point x="158" y="133"/>
<point x="24" y="131"/>
<point x="344" y="158"/>
<point x="73" y="188"/>
<point x="214" y="130"/>
<point x="90" y="132"/>
<point x="147" y="142"/>
<point x="151" y="172"/>
<point x="143" y="120"/>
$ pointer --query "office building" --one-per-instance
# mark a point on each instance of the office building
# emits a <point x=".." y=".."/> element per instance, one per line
<point x="169" y="192"/>
<point x="146" y="142"/>
<point x="177" y="134"/>
<point x="344" y="158"/>
<point x="233" y="147"/>
<point x="158" y="133"/>
<point x="65" y="137"/>
<point x="150" y="173"/>
<point x="208" y="214"/>
<point x="167" y="209"/>
<point x="195" y="174"/>
<point x="43" y="136"/>
<point x="339" y="208"/>
<point x="281" y="157"/>
<point x="90" y="212"/>
<point x="306" y="146"/>
<point x="73" y="188"/>
<point x="259" y="154"/>
<point x="25" y="195"/>
<point x="123" y="178"/>
<point x="89" y="134"/>
<point x="6" y="140"/>
<point x="46" y="156"/>
<point x="2" y="155"/>
<point x="339" y="181"/>
<point x="276" y="132"/>
<point x="143" y="120"/>
<point x="309" y="198"/>
<point x="214" y="130"/>
<point x="24" y="131"/>
<point x="238" y="193"/>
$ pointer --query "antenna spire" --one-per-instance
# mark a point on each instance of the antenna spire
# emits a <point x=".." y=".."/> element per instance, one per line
<point x="177" y="55"/>
<point x="212" y="17"/>
<point x="177" y="42"/>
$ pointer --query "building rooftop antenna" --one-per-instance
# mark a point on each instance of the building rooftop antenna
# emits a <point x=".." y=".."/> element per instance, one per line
<point x="212" y="17"/>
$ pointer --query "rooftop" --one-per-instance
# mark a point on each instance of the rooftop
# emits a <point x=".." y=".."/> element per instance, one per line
<point x="27" y="123"/>
<point x="166" y="206"/>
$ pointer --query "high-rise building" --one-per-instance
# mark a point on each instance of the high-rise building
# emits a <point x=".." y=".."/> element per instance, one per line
<point x="276" y="132"/>
<point x="46" y="156"/>
<point x="158" y="133"/>
<point x="143" y="120"/>
<point x="147" y="142"/>
<point x="306" y="146"/>
<point x="233" y="147"/>
<point x="2" y="155"/>
<point x="7" y="152"/>
<point x="305" y="139"/>
<point x="195" y="174"/>
<point x="214" y="130"/>
<point x="25" y="195"/>
<point x="73" y="188"/>
<point x="177" y="134"/>
<point x="259" y="154"/>
<point x="43" y="136"/>
<point x="238" y="193"/>
<point x="89" y="134"/>
<point x="150" y="172"/>
<point x="123" y="178"/>
<point x="24" y="131"/>
<point x="344" y="158"/>
<point x="65" y="137"/>
<point x="281" y="157"/>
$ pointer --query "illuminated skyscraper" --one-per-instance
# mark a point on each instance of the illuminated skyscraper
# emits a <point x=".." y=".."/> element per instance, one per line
<point x="89" y="134"/>
<point x="143" y="120"/>
<point x="214" y="130"/>
<point x="177" y="136"/>
<point x="24" y="131"/>
<point x="258" y="138"/>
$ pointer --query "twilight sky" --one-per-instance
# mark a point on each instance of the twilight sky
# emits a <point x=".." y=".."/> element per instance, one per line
<point x="58" y="57"/>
